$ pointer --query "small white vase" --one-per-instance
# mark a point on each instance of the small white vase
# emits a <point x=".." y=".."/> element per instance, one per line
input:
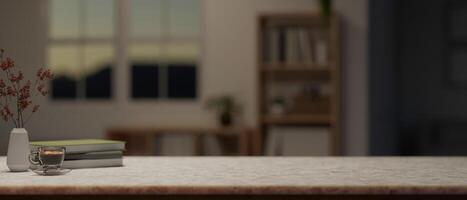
<point x="18" y="150"/>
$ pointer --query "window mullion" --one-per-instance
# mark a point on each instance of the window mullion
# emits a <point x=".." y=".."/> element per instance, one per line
<point x="121" y="80"/>
<point x="163" y="75"/>
<point x="81" y="83"/>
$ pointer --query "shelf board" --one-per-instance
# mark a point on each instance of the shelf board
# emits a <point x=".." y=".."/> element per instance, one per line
<point x="295" y="68"/>
<point x="302" y="119"/>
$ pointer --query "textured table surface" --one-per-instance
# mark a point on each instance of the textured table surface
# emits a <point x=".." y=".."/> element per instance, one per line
<point x="252" y="175"/>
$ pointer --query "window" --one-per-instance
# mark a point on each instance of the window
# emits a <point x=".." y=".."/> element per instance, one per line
<point x="164" y="48"/>
<point x="162" y="44"/>
<point x="81" y="46"/>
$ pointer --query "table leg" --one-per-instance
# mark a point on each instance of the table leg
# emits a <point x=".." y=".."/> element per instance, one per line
<point x="243" y="142"/>
<point x="256" y="142"/>
<point x="150" y="148"/>
<point x="198" y="144"/>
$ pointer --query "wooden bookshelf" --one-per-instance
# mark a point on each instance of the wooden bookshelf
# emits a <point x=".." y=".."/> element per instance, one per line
<point x="297" y="119"/>
<point x="277" y="69"/>
<point x="295" y="68"/>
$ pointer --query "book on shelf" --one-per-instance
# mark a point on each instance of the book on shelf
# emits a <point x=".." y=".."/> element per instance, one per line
<point x="282" y="45"/>
<point x="273" y="50"/>
<point x="289" y="45"/>
<point x="82" y="145"/>
<point x="304" y="45"/>
<point x="321" y="51"/>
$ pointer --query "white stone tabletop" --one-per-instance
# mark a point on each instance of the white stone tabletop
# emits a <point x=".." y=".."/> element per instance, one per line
<point x="252" y="175"/>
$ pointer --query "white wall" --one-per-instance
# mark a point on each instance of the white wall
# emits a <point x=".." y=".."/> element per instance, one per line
<point x="228" y="67"/>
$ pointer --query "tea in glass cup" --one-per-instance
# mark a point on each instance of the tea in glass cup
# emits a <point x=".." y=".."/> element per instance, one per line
<point x="48" y="157"/>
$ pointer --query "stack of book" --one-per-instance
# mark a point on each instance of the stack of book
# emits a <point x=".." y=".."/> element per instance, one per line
<point x="88" y="153"/>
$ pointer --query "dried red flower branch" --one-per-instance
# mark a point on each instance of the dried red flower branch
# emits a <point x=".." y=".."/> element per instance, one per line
<point x="44" y="75"/>
<point x="6" y="113"/>
<point x="16" y="78"/>
<point x="7" y="64"/>
<point x="14" y="94"/>
<point x="35" y="108"/>
<point x="11" y="91"/>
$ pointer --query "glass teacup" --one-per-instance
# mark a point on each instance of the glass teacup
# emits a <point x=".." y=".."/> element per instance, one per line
<point x="48" y="157"/>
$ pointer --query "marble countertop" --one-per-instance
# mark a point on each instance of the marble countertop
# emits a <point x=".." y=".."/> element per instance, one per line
<point x="252" y="175"/>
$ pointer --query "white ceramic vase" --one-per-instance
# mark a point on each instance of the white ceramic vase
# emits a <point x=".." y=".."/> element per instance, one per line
<point x="18" y="150"/>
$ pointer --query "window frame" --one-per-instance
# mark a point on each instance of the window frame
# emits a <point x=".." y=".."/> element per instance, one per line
<point x="121" y="69"/>
<point x="81" y="42"/>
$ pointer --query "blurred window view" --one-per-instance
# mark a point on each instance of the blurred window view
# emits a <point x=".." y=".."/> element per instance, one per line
<point x="81" y="46"/>
<point x="162" y="47"/>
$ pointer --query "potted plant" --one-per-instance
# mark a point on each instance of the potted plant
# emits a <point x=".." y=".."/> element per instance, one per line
<point x="278" y="106"/>
<point x="225" y="107"/>
<point x="17" y="107"/>
<point x="326" y="11"/>
<point x="321" y="43"/>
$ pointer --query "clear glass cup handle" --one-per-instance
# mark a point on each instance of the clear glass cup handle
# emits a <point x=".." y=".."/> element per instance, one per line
<point x="34" y="158"/>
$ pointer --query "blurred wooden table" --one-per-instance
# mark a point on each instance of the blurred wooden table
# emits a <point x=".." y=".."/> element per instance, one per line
<point x="141" y="140"/>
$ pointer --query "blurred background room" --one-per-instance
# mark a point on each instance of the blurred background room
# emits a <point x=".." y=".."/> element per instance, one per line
<point x="247" y="77"/>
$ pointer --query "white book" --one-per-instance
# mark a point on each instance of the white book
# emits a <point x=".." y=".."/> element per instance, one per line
<point x="321" y="51"/>
<point x="92" y="163"/>
<point x="305" y="46"/>
<point x="274" y="138"/>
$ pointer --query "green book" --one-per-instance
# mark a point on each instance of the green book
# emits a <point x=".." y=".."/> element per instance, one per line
<point x="83" y="145"/>
<point x="94" y="155"/>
